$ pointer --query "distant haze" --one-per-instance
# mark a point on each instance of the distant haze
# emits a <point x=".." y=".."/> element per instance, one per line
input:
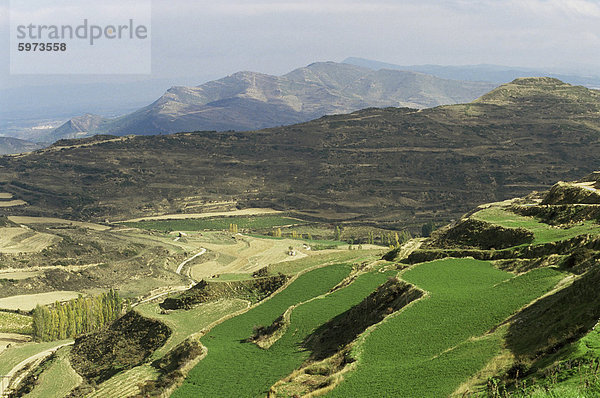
<point x="196" y="41"/>
<point x="207" y="38"/>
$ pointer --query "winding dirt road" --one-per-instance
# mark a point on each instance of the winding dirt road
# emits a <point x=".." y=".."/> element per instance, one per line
<point x="201" y="252"/>
<point x="32" y="361"/>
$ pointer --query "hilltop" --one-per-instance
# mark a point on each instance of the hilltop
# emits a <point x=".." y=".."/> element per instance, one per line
<point x="392" y="166"/>
<point x="250" y="100"/>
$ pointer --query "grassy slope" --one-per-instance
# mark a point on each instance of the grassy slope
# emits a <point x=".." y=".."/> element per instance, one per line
<point x="199" y="224"/>
<point x="468" y="298"/>
<point x="576" y="374"/>
<point x="58" y="380"/>
<point x="543" y="232"/>
<point x="14" y="355"/>
<point x="184" y="323"/>
<point x="254" y="369"/>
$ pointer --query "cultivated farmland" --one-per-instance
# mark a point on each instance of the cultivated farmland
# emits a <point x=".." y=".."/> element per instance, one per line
<point x="254" y="369"/>
<point x="14" y="355"/>
<point x="466" y="299"/>
<point x="22" y="240"/>
<point x="184" y="323"/>
<point x="543" y="232"/>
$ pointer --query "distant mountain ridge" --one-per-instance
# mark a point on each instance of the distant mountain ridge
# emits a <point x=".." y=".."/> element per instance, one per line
<point x="78" y="126"/>
<point x="250" y="100"/>
<point x="482" y="73"/>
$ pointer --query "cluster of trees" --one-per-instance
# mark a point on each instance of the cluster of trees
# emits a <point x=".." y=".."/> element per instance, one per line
<point x="394" y="239"/>
<point x="233" y="228"/>
<point x="337" y="233"/>
<point x="75" y="317"/>
<point x="391" y="239"/>
<point x="296" y="235"/>
<point x="293" y="234"/>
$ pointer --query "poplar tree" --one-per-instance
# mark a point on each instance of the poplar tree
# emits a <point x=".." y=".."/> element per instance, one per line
<point x="75" y="317"/>
<point x="337" y="233"/>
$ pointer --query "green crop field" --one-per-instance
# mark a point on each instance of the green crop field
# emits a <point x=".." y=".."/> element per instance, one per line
<point x="255" y="369"/>
<point x="15" y="323"/>
<point x="354" y="256"/>
<point x="125" y="384"/>
<point x="430" y="348"/>
<point x="184" y="323"/>
<point x="221" y="223"/>
<point x="58" y="379"/>
<point x="543" y="232"/>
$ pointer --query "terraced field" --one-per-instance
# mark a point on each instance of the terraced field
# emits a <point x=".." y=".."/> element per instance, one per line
<point x="245" y="255"/>
<point x="8" y="340"/>
<point x="22" y="240"/>
<point x="125" y="384"/>
<point x="210" y="214"/>
<point x="12" y="203"/>
<point x="574" y="370"/>
<point x="255" y="370"/>
<point x="543" y="233"/>
<point x="58" y="379"/>
<point x="440" y="341"/>
<point x="324" y="257"/>
<point x="184" y="323"/>
<point x="18" y="275"/>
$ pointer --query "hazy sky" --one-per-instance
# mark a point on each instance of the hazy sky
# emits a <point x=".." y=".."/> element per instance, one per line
<point x="200" y="40"/>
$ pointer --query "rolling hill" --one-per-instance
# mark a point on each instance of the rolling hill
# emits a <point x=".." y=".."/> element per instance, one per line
<point x="10" y="145"/>
<point x="249" y="100"/>
<point x="395" y="166"/>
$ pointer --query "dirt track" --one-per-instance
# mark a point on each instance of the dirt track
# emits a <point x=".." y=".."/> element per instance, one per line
<point x="32" y="361"/>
